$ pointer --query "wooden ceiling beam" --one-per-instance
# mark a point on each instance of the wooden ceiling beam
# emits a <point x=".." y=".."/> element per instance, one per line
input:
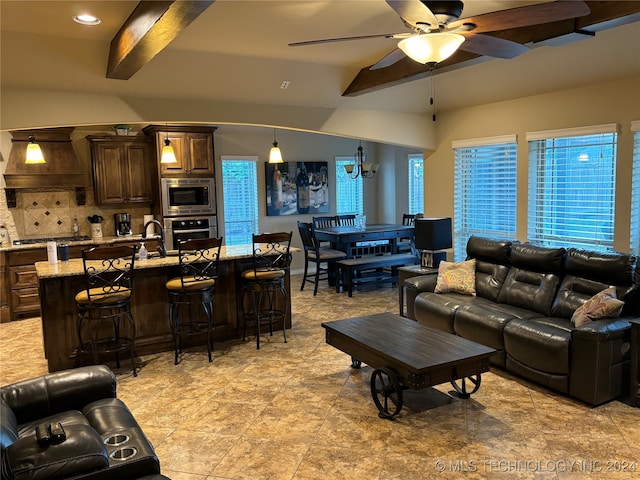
<point x="406" y="70"/>
<point x="149" y="29"/>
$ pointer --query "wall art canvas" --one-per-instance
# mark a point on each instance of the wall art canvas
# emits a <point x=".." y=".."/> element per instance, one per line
<point x="297" y="188"/>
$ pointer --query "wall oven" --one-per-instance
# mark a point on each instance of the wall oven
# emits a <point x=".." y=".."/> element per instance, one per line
<point x="189" y="228"/>
<point x="188" y="196"/>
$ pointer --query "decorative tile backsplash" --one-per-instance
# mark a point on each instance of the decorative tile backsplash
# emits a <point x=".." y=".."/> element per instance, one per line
<point x="47" y="213"/>
<point x="50" y="213"/>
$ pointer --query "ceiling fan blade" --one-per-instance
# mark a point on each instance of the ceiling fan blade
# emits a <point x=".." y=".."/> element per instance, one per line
<point x="525" y="16"/>
<point x="492" y="46"/>
<point x="346" y="39"/>
<point x="389" y="59"/>
<point x="413" y="12"/>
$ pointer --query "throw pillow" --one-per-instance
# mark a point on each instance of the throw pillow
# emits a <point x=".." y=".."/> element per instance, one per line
<point x="457" y="277"/>
<point x="604" y="304"/>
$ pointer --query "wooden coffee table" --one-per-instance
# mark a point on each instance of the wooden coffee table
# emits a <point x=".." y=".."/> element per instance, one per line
<point x="406" y="354"/>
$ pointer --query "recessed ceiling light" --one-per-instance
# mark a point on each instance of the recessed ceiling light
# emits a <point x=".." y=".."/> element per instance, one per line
<point x="86" y="20"/>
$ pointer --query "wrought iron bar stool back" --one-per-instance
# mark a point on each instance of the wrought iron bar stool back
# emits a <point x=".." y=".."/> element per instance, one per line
<point x="265" y="282"/>
<point x="405" y="244"/>
<point x="105" y="323"/>
<point x="199" y="260"/>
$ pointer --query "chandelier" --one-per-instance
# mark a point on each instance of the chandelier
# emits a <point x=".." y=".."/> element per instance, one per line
<point x="361" y="167"/>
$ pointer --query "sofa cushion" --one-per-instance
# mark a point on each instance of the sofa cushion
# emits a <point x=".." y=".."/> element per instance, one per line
<point x="437" y="310"/>
<point x="537" y="259"/>
<point x="8" y="426"/>
<point x="529" y="290"/>
<point x="572" y="293"/>
<point x="457" y="277"/>
<point x="489" y="279"/>
<point x="603" y="304"/>
<point x="542" y="343"/>
<point x="489" y="250"/>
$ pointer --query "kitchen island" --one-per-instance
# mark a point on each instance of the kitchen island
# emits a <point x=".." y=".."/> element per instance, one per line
<point x="59" y="283"/>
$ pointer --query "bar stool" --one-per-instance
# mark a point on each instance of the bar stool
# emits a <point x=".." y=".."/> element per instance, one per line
<point x="105" y="324"/>
<point x="263" y="283"/>
<point x="199" y="260"/>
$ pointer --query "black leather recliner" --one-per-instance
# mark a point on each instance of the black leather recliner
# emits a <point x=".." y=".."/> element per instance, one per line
<point x="102" y="439"/>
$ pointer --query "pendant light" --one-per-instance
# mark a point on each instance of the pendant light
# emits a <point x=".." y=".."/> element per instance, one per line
<point x="361" y="167"/>
<point x="34" y="153"/>
<point x="168" y="155"/>
<point x="275" y="155"/>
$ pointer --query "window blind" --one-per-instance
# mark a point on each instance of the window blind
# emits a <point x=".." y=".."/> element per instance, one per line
<point x="635" y="191"/>
<point x="416" y="183"/>
<point x="572" y="188"/>
<point x="348" y="190"/>
<point x="240" y="193"/>
<point x="485" y="190"/>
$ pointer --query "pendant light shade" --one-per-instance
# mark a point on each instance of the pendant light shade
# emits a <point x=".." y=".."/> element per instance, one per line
<point x="275" y="155"/>
<point x="432" y="47"/>
<point x="168" y="155"/>
<point x="34" y="153"/>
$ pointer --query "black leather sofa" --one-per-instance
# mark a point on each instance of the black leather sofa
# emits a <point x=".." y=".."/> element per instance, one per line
<point x="102" y="440"/>
<point x="525" y="298"/>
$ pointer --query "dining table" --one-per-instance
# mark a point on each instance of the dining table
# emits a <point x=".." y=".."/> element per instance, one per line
<point x="371" y="239"/>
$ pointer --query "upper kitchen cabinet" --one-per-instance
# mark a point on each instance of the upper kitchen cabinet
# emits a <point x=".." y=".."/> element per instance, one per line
<point x="122" y="169"/>
<point x="192" y="145"/>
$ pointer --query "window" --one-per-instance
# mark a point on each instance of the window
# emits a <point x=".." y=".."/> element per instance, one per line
<point x="635" y="191"/>
<point x="572" y="178"/>
<point x="240" y="194"/>
<point x="485" y="190"/>
<point x="416" y="183"/>
<point x="348" y="190"/>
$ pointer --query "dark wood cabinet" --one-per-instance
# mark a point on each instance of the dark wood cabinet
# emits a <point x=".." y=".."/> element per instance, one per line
<point x="192" y="145"/>
<point x="122" y="170"/>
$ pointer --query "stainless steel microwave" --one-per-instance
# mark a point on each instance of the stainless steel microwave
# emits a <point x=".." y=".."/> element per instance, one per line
<point x="188" y="196"/>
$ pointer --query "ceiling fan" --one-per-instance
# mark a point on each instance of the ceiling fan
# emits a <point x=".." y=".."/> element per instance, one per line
<point x="437" y="30"/>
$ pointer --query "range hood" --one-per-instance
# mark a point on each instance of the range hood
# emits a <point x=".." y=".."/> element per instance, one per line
<point x="61" y="170"/>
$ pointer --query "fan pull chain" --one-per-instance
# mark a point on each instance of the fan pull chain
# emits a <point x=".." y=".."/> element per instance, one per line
<point x="432" y="100"/>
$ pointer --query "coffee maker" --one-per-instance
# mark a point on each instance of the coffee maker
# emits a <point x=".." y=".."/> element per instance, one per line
<point x="122" y="222"/>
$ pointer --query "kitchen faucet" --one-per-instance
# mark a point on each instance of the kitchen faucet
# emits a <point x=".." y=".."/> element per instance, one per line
<point x="162" y="248"/>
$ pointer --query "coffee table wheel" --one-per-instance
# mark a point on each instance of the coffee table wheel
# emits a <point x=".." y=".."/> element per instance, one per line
<point x="385" y="387"/>
<point x="355" y="363"/>
<point x="461" y="387"/>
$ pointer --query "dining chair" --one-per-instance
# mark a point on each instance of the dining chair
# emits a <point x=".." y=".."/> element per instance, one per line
<point x="264" y="283"/>
<point x="198" y="267"/>
<point x="324" y="222"/>
<point x="105" y="324"/>
<point x="346" y="220"/>
<point x="314" y="253"/>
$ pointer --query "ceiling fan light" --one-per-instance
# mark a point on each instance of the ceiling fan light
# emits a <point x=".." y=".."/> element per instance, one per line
<point x="431" y="47"/>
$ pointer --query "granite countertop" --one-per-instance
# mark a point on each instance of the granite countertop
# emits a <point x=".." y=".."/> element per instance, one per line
<point x="107" y="240"/>
<point x="74" y="266"/>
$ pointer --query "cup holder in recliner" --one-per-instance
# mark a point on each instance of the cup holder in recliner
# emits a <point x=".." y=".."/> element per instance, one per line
<point x="124" y="453"/>
<point x="115" y="440"/>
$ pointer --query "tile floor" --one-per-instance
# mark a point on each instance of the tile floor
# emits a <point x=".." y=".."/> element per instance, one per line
<point x="298" y="411"/>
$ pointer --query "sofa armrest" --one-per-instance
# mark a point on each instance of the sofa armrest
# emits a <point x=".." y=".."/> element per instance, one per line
<point x="416" y="285"/>
<point x="603" y="330"/>
<point x="599" y="359"/>
<point x="59" y="391"/>
<point x="83" y="451"/>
